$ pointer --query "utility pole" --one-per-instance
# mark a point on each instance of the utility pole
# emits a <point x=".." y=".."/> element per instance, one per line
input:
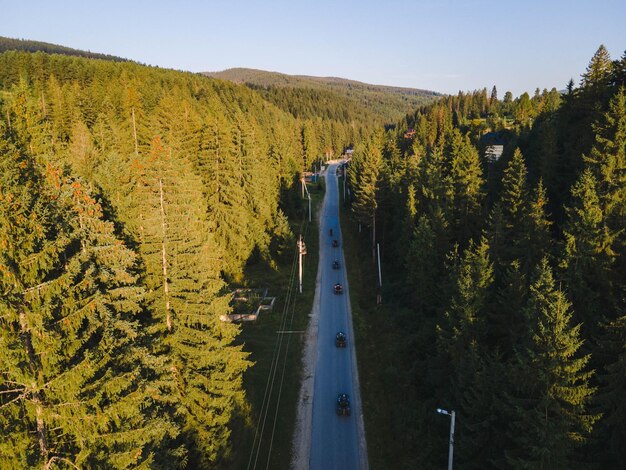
<point x="380" y="278"/>
<point x="379" y="295"/>
<point x="308" y="194"/>
<point x="301" y="253"/>
<point x="374" y="236"/>
<point x="344" y="179"/>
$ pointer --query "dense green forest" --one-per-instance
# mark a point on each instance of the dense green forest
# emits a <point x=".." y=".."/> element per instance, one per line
<point x="130" y="197"/>
<point x="505" y="291"/>
<point x="353" y="101"/>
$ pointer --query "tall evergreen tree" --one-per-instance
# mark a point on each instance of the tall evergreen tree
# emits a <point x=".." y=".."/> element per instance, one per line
<point x="506" y="318"/>
<point x="549" y="404"/>
<point x="463" y="330"/>
<point x="611" y="430"/>
<point x="467" y="181"/>
<point x="462" y="335"/>
<point x="424" y="267"/>
<point x="588" y="255"/>
<point x="599" y="69"/>
<point x="506" y="227"/>
<point x="226" y="199"/>
<point x="607" y="158"/>
<point x="182" y="273"/>
<point x="74" y="362"/>
<point x="363" y="176"/>
<point x="537" y="238"/>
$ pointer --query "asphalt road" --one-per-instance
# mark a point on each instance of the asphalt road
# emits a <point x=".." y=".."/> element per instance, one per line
<point x="336" y="441"/>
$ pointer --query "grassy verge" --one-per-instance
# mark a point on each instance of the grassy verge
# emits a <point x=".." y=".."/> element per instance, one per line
<point x="260" y="340"/>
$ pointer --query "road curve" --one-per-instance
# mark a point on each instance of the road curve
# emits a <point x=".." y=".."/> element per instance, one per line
<point x="337" y="442"/>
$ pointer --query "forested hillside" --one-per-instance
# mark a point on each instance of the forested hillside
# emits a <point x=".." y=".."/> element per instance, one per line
<point x="129" y="197"/>
<point x="11" y="44"/>
<point x="505" y="290"/>
<point x="356" y="101"/>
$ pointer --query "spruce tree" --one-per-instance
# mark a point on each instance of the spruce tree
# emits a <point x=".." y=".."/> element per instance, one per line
<point x="182" y="272"/>
<point x="607" y="159"/>
<point x="506" y="318"/>
<point x="463" y="329"/>
<point x="434" y="183"/>
<point x="506" y="231"/>
<point x="461" y="340"/>
<point x="424" y="268"/>
<point x="537" y="239"/>
<point x="77" y="377"/>
<point x="611" y="429"/>
<point x="228" y="212"/>
<point x="467" y="180"/>
<point x="550" y="403"/>
<point x="599" y="69"/>
<point x="588" y="255"/>
<point x="363" y="175"/>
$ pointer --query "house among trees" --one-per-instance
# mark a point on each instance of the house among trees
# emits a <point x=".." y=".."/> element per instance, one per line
<point x="494" y="152"/>
<point x="494" y="146"/>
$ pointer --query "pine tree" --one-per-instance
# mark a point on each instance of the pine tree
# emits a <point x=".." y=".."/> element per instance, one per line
<point x="74" y="363"/>
<point x="611" y="429"/>
<point x="81" y="151"/>
<point x="228" y="211"/>
<point x="607" y="158"/>
<point x="461" y="342"/>
<point x="598" y="70"/>
<point x="493" y="99"/>
<point x="549" y="404"/>
<point x="310" y="147"/>
<point x="537" y="238"/>
<point x="363" y="175"/>
<point x="508" y="217"/>
<point x="182" y="273"/>
<point x="588" y="255"/>
<point x="514" y="189"/>
<point x="436" y="192"/>
<point x="424" y="268"/>
<point x="464" y="327"/>
<point x="260" y="188"/>
<point x="467" y="180"/>
<point x="618" y="77"/>
<point x="506" y="318"/>
<point x="480" y="436"/>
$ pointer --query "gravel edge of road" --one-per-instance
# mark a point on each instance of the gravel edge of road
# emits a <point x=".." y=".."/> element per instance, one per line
<point x="304" y="415"/>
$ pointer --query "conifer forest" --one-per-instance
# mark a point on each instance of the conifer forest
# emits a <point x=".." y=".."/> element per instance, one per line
<point x="133" y="197"/>
<point x="506" y="279"/>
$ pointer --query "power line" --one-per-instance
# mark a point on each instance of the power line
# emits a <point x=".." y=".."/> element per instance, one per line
<point x="269" y="387"/>
<point x="282" y="377"/>
<point x="263" y="411"/>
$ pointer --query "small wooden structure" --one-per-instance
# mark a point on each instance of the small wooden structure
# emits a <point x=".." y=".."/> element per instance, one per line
<point x="249" y="298"/>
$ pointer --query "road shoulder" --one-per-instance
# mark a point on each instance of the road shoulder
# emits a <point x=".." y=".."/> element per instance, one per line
<point x="304" y="413"/>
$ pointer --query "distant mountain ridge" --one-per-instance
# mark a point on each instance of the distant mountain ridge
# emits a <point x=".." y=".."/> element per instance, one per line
<point x="26" y="45"/>
<point x="388" y="102"/>
<point x="267" y="78"/>
<point x="303" y="96"/>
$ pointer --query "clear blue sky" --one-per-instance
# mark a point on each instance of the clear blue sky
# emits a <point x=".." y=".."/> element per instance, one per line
<point x="442" y="45"/>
